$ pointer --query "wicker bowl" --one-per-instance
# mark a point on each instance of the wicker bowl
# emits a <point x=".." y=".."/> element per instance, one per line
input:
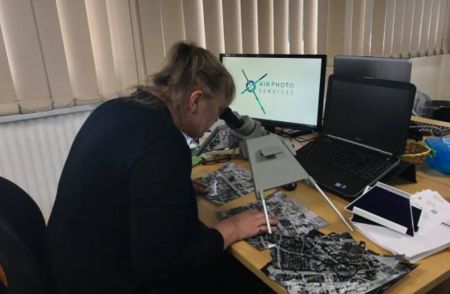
<point x="416" y="152"/>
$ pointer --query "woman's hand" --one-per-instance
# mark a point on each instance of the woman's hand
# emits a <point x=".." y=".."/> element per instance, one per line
<point x="244" y="225"/>
<point x="199" y="187"/>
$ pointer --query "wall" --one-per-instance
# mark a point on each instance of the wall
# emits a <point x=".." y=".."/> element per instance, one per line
<point x="431" y="75"/>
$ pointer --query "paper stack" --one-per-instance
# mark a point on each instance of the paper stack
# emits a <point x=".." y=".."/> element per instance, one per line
<point x="433" y="234"/>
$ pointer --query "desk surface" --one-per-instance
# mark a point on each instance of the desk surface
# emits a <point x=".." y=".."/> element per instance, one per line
<point x="430" y="121"/>
<point x="431" y="271"/>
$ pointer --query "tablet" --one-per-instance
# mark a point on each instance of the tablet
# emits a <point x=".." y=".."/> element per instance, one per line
<point x="386" y="206"/>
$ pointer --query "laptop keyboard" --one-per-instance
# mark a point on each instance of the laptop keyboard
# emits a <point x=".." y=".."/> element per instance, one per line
<point x="344" y="159"/>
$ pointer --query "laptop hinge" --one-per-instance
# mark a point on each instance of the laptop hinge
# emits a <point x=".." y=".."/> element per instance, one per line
<point x="359" y="144"/>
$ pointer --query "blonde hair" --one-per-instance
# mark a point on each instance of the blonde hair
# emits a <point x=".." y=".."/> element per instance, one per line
<point x="189" y="68"/>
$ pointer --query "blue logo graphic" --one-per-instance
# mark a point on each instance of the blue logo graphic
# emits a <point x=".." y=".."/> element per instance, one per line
<point x="250" y="87"/>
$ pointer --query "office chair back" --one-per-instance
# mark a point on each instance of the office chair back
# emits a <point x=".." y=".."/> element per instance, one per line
<point x="3" y="280"/>
<point x="22" y="229"/>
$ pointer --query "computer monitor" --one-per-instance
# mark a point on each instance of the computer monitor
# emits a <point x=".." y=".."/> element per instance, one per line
<point x="279" y="89"/>
<point x="385" y="68"/>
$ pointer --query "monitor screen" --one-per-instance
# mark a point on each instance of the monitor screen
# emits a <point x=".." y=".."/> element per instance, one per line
<point x="279" y="90"/>
<point x="385" y="68"/>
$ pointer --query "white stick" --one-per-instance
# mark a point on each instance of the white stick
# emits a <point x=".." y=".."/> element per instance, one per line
<point x="330" y="203"/>
<point x="261" y="195"/>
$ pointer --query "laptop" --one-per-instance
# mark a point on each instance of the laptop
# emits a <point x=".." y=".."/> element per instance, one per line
<point x="364" y="132"/>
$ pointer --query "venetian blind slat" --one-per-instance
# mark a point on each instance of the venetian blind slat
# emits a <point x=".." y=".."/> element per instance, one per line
<point x="408" y="28"/>
<point x="440" y="26"/>
<point x="358" y="26"/>
<point x="151" y="27"/>
<point x="399" y="20"/>
<point x="194" y="22"/>
<point x="102" y="46"/>
<point x="232" y="26"/>
<point x="78" y="48"/>
<point x="378" y="27"/>
<point x="172" y="19"/>
<point x="138" y="45"/>
<point x="121" y="30"/>
<point x="446" y="34"/>
<point x="24" y="53"/>
<point x="214" y="39"/>
<point x="416" y="28"/>
<point x="322" y="26"/>
<point x="310" y="26"/>
<point x="265" y="26"/>
<point x="8" y="104"/>
<point x="432" y="41"/>
<point x="389" y="27"/>
<point x="249" y="17"/>
<point x="281" y="26"/>
<point x="337" y="29"/>
<point x="296" y="26"/>
<point x="425" y="27"/>
<point x="367" y="27"/>
<point x="54" y="56"/>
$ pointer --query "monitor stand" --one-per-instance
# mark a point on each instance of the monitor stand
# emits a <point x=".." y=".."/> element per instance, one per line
<point x="298" y="132"/>
<point x="292" y="133"/>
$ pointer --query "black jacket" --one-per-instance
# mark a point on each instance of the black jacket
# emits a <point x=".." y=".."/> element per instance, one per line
<point x="125" y="218"/>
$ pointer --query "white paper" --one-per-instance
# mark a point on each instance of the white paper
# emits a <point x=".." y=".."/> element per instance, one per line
<point x="431" y="237"/>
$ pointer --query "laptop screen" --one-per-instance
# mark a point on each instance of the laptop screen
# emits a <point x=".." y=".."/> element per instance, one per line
<point x="372" y="112"/>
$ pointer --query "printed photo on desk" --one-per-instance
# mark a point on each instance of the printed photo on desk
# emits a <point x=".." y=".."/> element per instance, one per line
<point x="227" y="183"/>
<point x="334" y="263"/>
<point x="220" y="138"/>
<point x="293" y="218"/>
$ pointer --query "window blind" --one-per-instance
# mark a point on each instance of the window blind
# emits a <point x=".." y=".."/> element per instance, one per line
<point x="58" y="53"/>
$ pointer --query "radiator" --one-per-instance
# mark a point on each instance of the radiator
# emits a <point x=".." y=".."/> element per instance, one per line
<point x="34" y="147"/>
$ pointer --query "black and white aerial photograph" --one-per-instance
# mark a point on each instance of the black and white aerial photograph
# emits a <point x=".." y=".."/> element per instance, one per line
<point x="293" y="218"/>
<point x="334" y="263"/>
<point x="220" y="138"/>
<point x="228" y="183"/>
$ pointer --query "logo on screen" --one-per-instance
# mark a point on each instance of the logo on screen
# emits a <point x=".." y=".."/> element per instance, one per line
<point x="250" y="86"/>
<point x="263" y="86"/>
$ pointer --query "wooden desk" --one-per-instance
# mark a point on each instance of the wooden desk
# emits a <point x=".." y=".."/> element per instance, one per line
<point x="431" y="271"/>
<point x="430" y="121"/>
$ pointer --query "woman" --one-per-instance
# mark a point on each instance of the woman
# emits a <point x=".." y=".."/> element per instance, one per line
<point x="125" y="216"/>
